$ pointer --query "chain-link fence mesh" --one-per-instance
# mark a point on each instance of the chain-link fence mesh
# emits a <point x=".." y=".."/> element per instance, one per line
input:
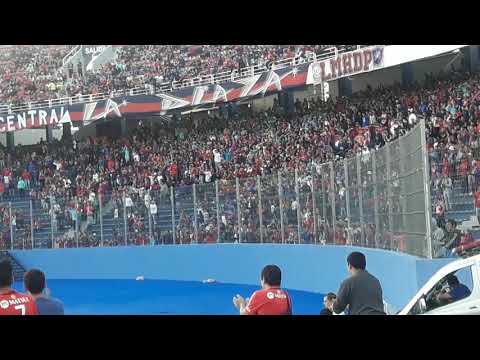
<point x="377" y="199"/>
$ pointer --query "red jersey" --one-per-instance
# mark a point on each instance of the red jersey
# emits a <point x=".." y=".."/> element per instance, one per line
<point x="463" y="168"/>
<point x="15" y="303"/>
<point x="273" y="301"/>
<point x="477" y="199"/>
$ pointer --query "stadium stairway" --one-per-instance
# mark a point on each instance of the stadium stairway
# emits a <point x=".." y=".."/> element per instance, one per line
<point x="43" y="236"/>
<point x="18" y="270"/>
<point x="462" y="210"/>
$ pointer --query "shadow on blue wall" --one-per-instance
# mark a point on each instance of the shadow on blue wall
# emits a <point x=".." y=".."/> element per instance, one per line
<point x="305" y="267"/>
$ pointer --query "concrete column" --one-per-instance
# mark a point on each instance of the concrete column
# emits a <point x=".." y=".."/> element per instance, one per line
<point x="344" y="87"/>
<point x="10" y="141"/>
<point x="67" y="131"/>
<point x="123" y="124"/>
<point x="48" y="134"/>
<point x="471" y="57"/>
<point x="407" y="74"/>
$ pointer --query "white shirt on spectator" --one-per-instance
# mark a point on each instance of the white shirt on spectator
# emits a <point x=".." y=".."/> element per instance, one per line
<point x="153" y="208"/>
<point x="208" y="176"/>
<point x="294" y="205"/>
<point x="128" y="202"/>
<point x="217" y="156"/>
<point x="412" y="119"/>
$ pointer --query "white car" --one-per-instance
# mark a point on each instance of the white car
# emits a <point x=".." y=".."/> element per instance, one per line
<point x="464" y="298"/>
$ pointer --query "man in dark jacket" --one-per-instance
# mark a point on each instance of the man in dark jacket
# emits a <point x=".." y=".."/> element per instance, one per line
<point x="361" y="292"/>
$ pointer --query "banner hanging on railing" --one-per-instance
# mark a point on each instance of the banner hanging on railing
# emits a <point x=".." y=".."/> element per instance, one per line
<point x="194" y="97"/>
<point x="346" y="64"/>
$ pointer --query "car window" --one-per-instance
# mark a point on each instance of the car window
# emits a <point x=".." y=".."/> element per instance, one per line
<point x="456" y="286"/>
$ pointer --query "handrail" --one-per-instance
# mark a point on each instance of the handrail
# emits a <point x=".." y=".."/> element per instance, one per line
<point x="165" y="87"/>
<point x="69" y="55"/>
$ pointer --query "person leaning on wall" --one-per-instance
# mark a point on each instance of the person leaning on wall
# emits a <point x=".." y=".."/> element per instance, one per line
<point x="361" y="291"/>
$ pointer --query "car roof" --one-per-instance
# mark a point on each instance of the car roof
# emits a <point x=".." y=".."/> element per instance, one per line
<point x="457" y="264"/>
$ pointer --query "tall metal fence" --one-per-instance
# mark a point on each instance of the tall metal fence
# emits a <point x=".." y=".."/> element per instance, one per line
<point x="379" y="199"/>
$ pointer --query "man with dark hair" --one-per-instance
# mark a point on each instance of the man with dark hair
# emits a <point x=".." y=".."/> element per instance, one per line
<point x="328" y="301"/>
<point x="271" y="300"/>
<point x="456" y="291"/>
<point x="361" y="292"/>
<point x="450" y="241"/>
<point x="11" y="301"/>
<point x="34" y="282"/>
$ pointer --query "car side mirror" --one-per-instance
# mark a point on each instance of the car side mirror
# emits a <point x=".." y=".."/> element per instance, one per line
<point x="422" y="305"/>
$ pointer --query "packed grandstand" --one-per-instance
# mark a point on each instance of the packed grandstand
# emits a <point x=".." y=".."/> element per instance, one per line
<point x="133" y="180"/>
<point x="35" y="72"/>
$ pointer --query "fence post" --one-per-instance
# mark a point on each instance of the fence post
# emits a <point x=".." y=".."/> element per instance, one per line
<point x="125" y="229"/>
<point x="280" y="197"/>
<point x="299" y="215"/>
<point x="332" y="197"/>
<point x="389" y="191"/>
<point x="195" y="223"/>
<point x="324" y="204"/>
<point x="31" y="224"/>
<point x="314" y="210"/>
<point x="375" y="198"/>
<point x="51" y="219"/>
<point x="426" y="185"/>
<point x="347" y="201"/>
<point x="260" y="208"/>
<point x="217" y="206"/>
<point x="402" y="198"/>
<point x="360" y="200"/>
<point x="11" y="224"/>
<point x="76" y="220"/>
<point x="239" y="215"/>
<point x="150" y="233"/>
<point x="172" y="200"/>
<point x="100" y="207"/>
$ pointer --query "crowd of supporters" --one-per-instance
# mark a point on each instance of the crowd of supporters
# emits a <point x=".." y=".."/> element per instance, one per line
<point x="69" y="176"/>
<point x="31" y="73"/>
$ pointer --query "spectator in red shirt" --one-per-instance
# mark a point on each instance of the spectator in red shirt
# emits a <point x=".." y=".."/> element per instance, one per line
<point x="271" y="300"/>
<point x="477" y="204"/>
<point x="173" y="170"/>
<point x="26" y="176"/>
<point x="11" y="301"/>
<point x="463" y="172"/>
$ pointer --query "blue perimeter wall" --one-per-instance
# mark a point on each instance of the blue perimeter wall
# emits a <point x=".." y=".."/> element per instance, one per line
<point x="304" y="267"/>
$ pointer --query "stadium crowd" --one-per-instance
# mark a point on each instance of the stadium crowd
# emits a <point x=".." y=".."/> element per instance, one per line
<point x="242" y="144"/>
<point x="31" y="73"/>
